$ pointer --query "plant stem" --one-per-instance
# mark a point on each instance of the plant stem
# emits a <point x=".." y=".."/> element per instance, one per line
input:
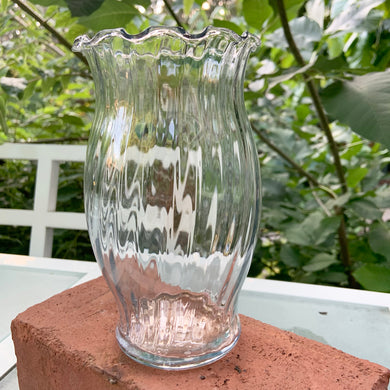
<point x="312" y="180"/>
<point x="344" y="252"/>
<point x="304" y="173"/>
<point x="174" y="16"/>
<point x="320" y="203"/>
<point x="324" y="123"/>
<point x="49" y="28"/>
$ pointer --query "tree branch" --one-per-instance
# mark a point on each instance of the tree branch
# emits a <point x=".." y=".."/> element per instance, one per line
<point x="312" y="180"/>
<point x="304" y="173"/>
<point x="324" y="123"/>
<point x="174" y="16"/>
<point x="49" y="28"/>
<point x="320" y="202"/>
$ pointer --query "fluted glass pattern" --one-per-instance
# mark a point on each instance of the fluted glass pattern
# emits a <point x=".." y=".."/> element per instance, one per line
<point x="172" y="188"/>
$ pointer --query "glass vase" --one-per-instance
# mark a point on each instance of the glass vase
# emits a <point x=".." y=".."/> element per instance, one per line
<point x="172" y="188"/>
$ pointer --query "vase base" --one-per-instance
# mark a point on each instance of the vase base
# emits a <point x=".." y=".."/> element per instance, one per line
<point x="210" y="354"/>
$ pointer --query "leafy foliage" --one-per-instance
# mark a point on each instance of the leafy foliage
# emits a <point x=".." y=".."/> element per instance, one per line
<point x="345" y="49"/>
<point x="362" y="104"/>
<point x="117" y="12"/>
<point x="83" y="8"/>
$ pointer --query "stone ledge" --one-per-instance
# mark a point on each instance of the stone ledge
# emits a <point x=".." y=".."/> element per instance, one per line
<point x="68" y="342"/>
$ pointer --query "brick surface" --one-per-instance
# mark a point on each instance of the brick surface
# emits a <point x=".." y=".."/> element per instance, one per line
<point x="68" y="342"/>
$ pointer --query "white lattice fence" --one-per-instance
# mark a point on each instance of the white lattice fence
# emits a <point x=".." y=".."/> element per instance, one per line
<point x="44" y="217"/>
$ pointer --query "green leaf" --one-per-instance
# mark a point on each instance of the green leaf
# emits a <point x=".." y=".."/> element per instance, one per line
<point x="373" y="277"/>
<point x="68" y="193"/>
<point x="361" y="252"/>
<point x="362" y="104"/>
<point x="350" y="15"/>
<point x="256" y="12"/>
<point x="335" y="46"/>
<point x="304" y="30"/>
<point x="352" y="150"/>
<point x="302" y="111"/>
<point x="274" y="216"/>
<point x="325" y="65"/>
<point x="227" y="24"/>
<point x="290" y="256"/>
<point x="355" y="176"/>
<point x="339" y="201"/>
<point x="73" y="120"/>
<point x="334" y="277"/>
<point x="373" y="21"/>
<point x="111" y="14"/>
<point x="27" y="93"/>
<point x="274" y="81"/>
<point x="65" y="80"/>
<point x="132" y="28"/>
<point x="316" y="11"/>
<point x="83" y="7"/>
<point x="365" y="208"/>
<point x="379" y="240"/>
<point x="304" y="233"/>
<point x="298" y="236"/>
<point x="187" y="6"/>
<point x="47" y="3"/>
<point x="319" y="262"/>
<point x="382" y="199"/>
<point x="74" y="31"/>
<point x="3" y="137"/>
<point x="47" y="84"/>
<point x="4" y="5"/>
<point x="273" y="189"/>
<point x="328" y="226"/>
<point x="314" y="230"/>
<point x="64" y="19"/>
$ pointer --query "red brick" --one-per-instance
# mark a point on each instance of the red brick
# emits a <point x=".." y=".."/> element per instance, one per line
<point x="68" y="343"/>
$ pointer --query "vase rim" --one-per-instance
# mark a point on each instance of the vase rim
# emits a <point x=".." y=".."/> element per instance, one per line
<point x="84" y="42"/>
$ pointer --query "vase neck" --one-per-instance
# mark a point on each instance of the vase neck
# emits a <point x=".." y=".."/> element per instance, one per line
<point x="166" y="59"/>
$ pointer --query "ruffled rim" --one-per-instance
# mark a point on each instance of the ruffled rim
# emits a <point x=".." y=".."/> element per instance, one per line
<point x="84" y="42"/>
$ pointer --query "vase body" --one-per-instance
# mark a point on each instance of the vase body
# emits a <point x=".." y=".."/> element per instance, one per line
<point x="172" y="188"/>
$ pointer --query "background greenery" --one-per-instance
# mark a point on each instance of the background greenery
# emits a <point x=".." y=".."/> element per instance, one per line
<point x="317" y="95"/>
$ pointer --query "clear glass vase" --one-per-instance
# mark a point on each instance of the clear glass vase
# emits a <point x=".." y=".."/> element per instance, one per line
<point x="172" y="188"/>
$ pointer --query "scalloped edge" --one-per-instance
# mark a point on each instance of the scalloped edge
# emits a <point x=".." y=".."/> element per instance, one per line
<point x="84" y="42"/>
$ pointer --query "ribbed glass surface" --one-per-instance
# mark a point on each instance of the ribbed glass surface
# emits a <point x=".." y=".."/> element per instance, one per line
<point x="172" y="188"/>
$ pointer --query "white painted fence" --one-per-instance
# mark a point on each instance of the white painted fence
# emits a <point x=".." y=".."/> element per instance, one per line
<point x="44" y="217"/>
